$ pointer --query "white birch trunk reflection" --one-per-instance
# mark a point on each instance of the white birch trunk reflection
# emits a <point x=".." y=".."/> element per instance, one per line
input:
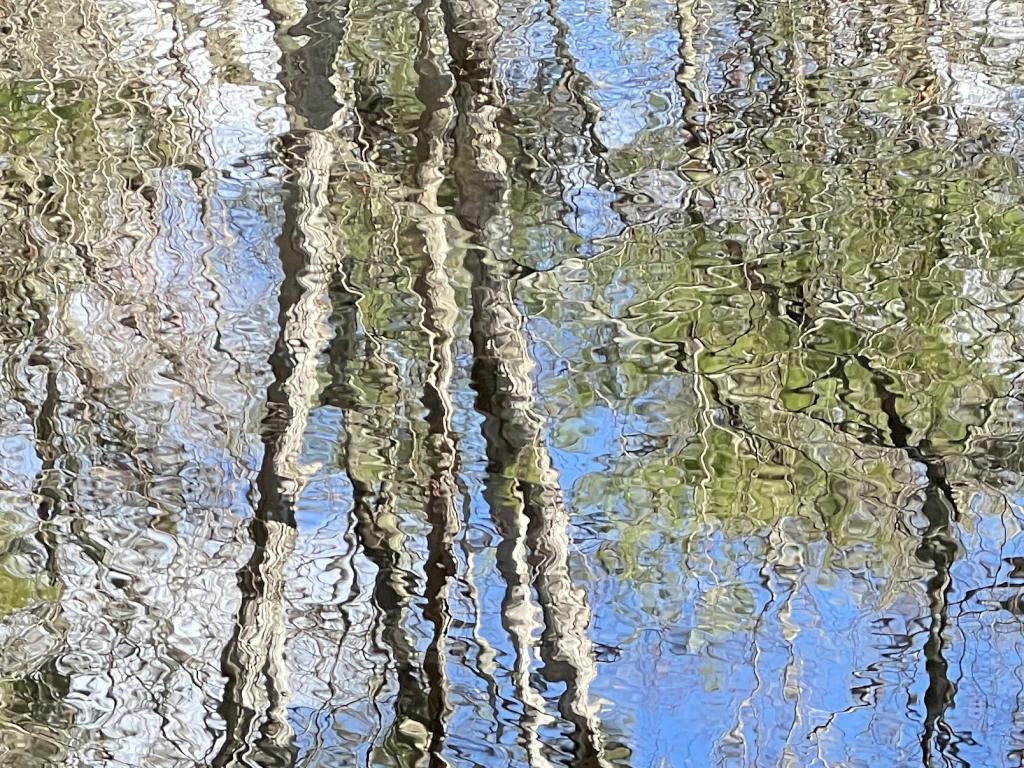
<point x="440" y="311"/>
<point x="523" y="489"/>
<point x="255" y="706"/>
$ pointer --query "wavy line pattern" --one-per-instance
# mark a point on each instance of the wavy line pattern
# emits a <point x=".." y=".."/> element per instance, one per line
<point x="486" y="383"/>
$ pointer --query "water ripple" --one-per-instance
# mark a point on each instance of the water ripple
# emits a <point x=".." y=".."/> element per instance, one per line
<point x="472" y="382"/>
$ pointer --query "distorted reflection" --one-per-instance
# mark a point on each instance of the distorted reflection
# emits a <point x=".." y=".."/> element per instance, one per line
<point x="484" y="383"/>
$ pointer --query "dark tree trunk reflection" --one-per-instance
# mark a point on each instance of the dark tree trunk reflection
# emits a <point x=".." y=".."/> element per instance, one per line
<point x="255" y="702"/>
<point x="522" y="486"/>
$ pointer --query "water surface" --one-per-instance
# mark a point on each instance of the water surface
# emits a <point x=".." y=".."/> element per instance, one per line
<point x="495" y="383"/>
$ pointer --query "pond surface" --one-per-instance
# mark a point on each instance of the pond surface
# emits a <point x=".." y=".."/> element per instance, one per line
<point x="498" y="383"/>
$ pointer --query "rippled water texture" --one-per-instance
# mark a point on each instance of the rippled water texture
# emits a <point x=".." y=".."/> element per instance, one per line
<point x="492" y="383"/>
